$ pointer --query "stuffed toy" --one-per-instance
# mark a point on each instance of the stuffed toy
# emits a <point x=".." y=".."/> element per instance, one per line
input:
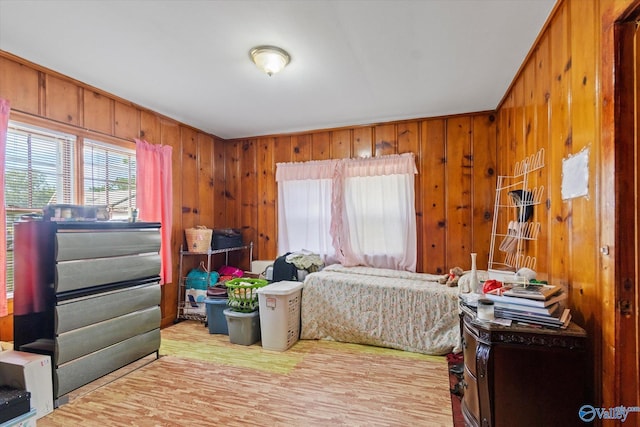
<point x="452" y="278"/>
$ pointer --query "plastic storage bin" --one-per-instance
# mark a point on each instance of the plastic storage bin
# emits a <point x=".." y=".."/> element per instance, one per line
<point x="280" y="314"/>
<point x="216" y="320"/>
<point x="226" y="238"/>
<point x="244" y="328"/>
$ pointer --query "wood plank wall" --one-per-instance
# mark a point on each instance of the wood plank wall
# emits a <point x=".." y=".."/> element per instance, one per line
<point x="221" y="183"/>
<point x="562" y="101"/>
<point x="43" y="97"/>
<point x="455" y="157"/>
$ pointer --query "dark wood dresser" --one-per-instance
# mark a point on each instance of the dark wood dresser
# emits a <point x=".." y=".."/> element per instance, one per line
<point x="522" y="376"/>
<point x="88" y="295"/>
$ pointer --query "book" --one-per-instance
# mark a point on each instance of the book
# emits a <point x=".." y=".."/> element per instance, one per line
<point x="548" y="311"/>
<point x="531" y="291"/>
<point x="505" y="299"/>
<point x="566" y="319"/>
<point x="528" y="317"/>
<point x="561" y="321"/>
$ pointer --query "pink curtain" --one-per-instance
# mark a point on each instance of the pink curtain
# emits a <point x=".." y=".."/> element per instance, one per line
<point x="154" y="196"/>
<point x="4" y="122"/>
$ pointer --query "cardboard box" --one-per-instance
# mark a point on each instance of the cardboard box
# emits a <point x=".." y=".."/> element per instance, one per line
<point x="31" y="372"/>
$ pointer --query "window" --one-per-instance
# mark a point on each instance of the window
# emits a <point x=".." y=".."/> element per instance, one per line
<point x="356" y="211"/>
<point x="50" y="167"/>
<point x="34" y="176"/>
<point x="304" y="217"/>
<point x="381" y="219"/>
<point x="109" y="178"/>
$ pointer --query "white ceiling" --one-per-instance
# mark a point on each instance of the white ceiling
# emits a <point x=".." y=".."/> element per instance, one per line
<point x="353" y="61"/>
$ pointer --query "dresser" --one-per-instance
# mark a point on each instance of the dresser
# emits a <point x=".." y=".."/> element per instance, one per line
<point x="87" y="293"/>
<point x="522" y="376"/>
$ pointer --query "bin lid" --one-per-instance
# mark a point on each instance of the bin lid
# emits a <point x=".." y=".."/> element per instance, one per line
<point x="284" y="287"/>
<point x="232" y="313"/>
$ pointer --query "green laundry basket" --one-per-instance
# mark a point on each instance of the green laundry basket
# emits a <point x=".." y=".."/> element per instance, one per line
<point x="243" y="295"/>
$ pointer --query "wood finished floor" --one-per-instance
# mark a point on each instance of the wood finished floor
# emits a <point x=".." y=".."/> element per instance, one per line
<point x="203" y="380"/>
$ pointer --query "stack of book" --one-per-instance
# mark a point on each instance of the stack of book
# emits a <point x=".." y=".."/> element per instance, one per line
<point x="532" y="304"/>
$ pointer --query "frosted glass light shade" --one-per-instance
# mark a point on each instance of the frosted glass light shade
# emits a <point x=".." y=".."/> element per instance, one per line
<point x="269" y="59"/>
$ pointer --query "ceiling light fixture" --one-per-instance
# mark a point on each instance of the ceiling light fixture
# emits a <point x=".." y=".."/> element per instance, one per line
<point x="269" y="59"/>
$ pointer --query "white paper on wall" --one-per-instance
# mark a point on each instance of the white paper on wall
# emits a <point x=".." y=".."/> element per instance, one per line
<point x="575" y="175"/>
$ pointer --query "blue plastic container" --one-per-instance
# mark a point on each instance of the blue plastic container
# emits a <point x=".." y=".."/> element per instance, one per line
<point x="216" y="320"/>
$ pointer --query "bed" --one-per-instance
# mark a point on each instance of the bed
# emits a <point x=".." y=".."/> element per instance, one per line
<point x="381" y="307"/>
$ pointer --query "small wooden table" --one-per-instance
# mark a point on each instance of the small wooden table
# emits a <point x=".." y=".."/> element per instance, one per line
<point x="522" y="376"/>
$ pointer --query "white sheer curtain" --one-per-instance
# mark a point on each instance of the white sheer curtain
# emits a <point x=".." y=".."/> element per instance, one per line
<point x="377" y="225"/>
<point x="354" y="211"/>
<point x="304" y="207"/>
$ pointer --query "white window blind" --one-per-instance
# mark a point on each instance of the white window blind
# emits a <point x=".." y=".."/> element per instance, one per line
<point x="39" y="169"/>
<point x="109" y="177"/>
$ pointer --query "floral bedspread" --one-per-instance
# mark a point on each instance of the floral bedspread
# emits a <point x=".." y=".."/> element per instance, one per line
<point x="387" y="308"/>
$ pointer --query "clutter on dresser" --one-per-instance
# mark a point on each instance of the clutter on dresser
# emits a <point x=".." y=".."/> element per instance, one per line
<point x="532" y="303"/>
<point x="68" y="212"/>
